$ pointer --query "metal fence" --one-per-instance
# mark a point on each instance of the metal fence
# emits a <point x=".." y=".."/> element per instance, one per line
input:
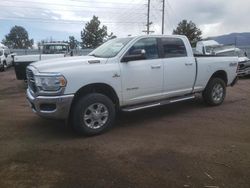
<point x="86" y="51"/>
<point x="36" y="51"/>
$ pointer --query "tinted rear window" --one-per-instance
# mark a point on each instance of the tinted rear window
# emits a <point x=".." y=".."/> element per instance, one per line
<point x="173" y="47"/>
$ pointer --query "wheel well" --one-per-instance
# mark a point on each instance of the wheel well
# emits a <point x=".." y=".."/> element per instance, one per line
<point x="98" y="88"/>
<point x="220" y="74"/>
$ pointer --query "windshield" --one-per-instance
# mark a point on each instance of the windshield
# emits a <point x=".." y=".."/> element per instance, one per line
<point x="110" y="48"/>
<point x="209" y="49"/>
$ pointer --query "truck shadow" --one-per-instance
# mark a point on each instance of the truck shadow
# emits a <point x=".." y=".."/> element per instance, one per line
<point x="151" y="114"/>
<point x="54" y="129"/>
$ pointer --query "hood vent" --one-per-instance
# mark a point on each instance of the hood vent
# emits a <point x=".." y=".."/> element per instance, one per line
<point x="93" y="61"/>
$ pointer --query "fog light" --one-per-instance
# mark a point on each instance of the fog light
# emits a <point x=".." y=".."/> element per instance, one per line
<point x="47" y="107"/>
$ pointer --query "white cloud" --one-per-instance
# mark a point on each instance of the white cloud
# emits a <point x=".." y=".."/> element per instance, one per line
<point x="214" y="17"/>
<point x="210" y="29"/>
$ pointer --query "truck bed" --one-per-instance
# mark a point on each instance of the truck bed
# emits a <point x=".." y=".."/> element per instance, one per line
<point x="209" y="64"/>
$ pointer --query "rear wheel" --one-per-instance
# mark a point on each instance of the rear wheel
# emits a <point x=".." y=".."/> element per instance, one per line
<point x="93" y="114"/>
<point x="215" y="92"/>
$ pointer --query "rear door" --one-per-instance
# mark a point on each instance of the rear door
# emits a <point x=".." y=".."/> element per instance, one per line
<point x="179" y="68"/>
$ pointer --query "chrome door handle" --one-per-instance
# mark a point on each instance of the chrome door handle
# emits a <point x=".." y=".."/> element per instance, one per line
<point x="188" y="64"/>
<point x="155" y="66"/>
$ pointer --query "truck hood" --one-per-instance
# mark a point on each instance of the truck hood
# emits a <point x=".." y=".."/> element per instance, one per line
<point x="58" y="64"/>
<point x="243" y="59"/>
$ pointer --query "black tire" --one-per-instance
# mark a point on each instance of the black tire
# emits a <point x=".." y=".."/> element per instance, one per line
<point x="4" y="65"/>
<point x="1" y="69"/>
<point x="210" y="96"/>
<point x="81" y="108"/>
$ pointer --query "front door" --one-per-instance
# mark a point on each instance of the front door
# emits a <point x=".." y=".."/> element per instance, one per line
<point x="142" y="80"/>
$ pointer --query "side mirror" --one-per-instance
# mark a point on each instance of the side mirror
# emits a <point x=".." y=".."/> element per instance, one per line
<point x="137" y="54"/>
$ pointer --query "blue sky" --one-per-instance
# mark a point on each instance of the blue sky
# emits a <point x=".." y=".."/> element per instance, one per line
<point x="59" y="19"/>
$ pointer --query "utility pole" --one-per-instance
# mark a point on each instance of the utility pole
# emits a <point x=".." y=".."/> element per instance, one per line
<point x="148" y="17"/>
<point x="163" y="16"/>
<point x="148" y="22"/>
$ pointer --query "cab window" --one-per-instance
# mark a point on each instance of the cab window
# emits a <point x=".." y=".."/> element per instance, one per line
<point x="147" y="44"/>
<point x="173" y="47"/>
<point x="54" y="49"/>
<point x="61" y="48"/>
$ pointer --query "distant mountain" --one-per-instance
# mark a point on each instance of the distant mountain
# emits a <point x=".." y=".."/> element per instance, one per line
<point x="238" y="39"/>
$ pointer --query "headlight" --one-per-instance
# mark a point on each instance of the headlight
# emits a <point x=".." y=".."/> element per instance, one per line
<point x="50" y="83"/>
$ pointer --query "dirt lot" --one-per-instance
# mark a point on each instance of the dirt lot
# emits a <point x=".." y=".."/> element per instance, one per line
<point x="181" y="145"/>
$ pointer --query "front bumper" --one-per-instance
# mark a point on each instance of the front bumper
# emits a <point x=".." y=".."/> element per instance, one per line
<point x="56" y="107"/>
<point x="244" y="72"/>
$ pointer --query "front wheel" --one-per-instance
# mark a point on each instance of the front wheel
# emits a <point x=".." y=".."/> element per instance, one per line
<point x="93" y="114"/>
<point x="215" y="92"/>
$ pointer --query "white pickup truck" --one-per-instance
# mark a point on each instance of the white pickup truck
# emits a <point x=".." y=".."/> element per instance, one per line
<point x="125" y="74"/>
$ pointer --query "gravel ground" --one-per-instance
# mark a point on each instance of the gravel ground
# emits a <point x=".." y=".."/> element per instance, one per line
<point x="180" y="145"/>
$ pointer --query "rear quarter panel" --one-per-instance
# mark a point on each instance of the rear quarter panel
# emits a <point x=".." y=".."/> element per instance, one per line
<point x="207" y="66"/>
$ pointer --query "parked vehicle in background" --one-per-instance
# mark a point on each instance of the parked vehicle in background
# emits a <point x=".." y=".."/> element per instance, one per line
<point x="211" y="47"/>
<point x="244" y="61"/>
<point x="48" y="51"/>
<point x="6" y="58"/>
<point x="206" y="47"/>
<point x="126" y="74"/>
<point x="244" y="67"/>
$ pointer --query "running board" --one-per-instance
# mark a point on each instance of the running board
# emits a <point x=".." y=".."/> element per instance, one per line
<point x="158" y="103"/>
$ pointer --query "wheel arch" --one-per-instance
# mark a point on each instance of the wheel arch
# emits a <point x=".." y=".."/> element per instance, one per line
<point x="220" y="74"/>
<point x="102" y="88"/>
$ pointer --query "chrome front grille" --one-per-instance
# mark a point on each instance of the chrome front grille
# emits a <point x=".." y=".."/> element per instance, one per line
<point x="31" y="80"/>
